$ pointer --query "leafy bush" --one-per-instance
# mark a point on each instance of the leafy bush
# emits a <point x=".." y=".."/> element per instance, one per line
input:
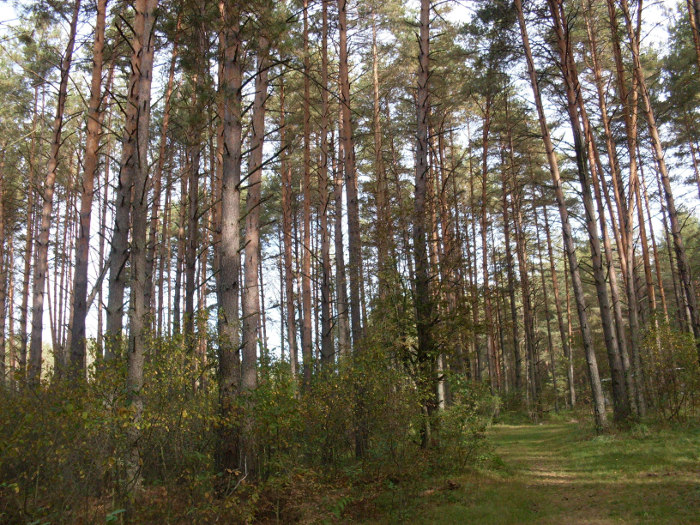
<point x="63" y="444"/>
<point x="672" y="371"/>
<point x="463" y="423"/>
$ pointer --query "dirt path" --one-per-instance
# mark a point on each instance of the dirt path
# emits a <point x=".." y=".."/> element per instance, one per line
<point x="556" y="473"/>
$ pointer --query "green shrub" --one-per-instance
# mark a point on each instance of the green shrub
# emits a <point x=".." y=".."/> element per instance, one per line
<point x="672" y="371"/>
<point x="462" y="424"/>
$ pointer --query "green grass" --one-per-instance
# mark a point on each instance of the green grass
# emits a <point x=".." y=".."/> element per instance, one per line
<point x="562" y="473"/>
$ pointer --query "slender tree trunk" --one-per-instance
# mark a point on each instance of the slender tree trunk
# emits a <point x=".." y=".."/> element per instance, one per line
<point x="306" y="337"/>
<point x="347" y="139"/>
<point x="488" y="315"/>
<point x="657" y="260"/>
<point x="326" y="326"/>
<point x="158" y="175"/>
<point x="119" y="250"/>
<point x="528" y="310"/>
<point x="92" y="145"/>
<point x="142" y="64"/>
<point x="423" y="297"/>
<point x="383" y="230"/>
<point x="566" y="347"/>
<point x="194" y="154"/>
<point x="478" y="349"/>
<point x="180" y="257"/>
<point x="627" y="368"/>
<point x="12" y="362"/>
<point x="228" y="452"/>
<point x="509" y="259"/>
<point x="340" y="276"/>
<point x="629" y="101"/>
<point x="42" y="243"/>
<point x="28" y="244"/>
<point x="510" y="264"/>
<point x="681" y="256"/>
<point x="5" y="270"/>
<point x="251" y="296"/>
<point x="288" y="239"/>
<point x="102" y="236"/>
<point x="693" y="16"/>
<point x="574" y="104"/>
<point x="594" y="378"/>
<point x="547" y="313"/>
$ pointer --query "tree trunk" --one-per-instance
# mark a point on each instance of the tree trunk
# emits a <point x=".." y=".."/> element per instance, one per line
<point x="194" y="154"/>
<point x="547" y="314"/>
<point x="693" y="18"/>
<point x="158" y="176"/>
<point x="327" y="352"/>
<point x="681" y="256"/>
<point x="621" y="403"/>
<point x="92" y="145"/>
<point x="488" y="315"/>
<point x="423" y="297"/>
<point x="42" y="243"/>
<point x="180" y="257"/>
<point x="103" y="229"/>
<point x="306" y="338"/>
<point x="566" y="347"/>
<point x="251" y="295"/>
<point x="142" y="67"/>
<point x="340" y="275"/>
<point x="288" y="239"/>
<point x="594" y="378"/>
<point x="228" y="449"/>
<point x="528" y="311"/>
<point x="5" y="266"/>
<point x="347" y="139"/>
<point x="383" y="229"/>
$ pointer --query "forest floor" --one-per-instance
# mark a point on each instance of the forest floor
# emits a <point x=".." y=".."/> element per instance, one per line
<point x="559" y="473"/>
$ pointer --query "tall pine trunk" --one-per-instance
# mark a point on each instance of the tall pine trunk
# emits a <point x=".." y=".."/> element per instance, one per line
<point x="232" y="54"/>
<point x="621" y="403"/>
<point x="92" y="145"/>
<point x="347" y="140"/>
<point x="42" y="243"/>
<point x="251" y="292"/>
<point x="423" y="298"/>
<point x="593" y="374"/>
<point x="678" y="244"/>
<point x="327" y="352"/>
<point x="142" y="65"/>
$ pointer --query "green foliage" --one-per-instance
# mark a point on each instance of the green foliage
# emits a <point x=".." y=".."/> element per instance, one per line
<point x="64" y="444"/>
<point x="62" y="456"/>
<point x="463" y="423"/>
<point x="673" y="374"/>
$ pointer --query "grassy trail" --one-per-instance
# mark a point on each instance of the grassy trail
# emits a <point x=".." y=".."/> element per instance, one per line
<point x="557" y="473"/>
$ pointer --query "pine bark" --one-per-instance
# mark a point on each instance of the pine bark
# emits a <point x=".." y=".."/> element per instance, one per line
<point x="142" y="65"/>
<point x="327" y="352"/>
<point x="621" y="403"/>
<point x="423" y="298"/>
<point x="594" y="378"/>
<point x="340" y="273"/>
<point x="306" y="338"/>
<point x="251" y="292"/>
<point x="346" y="137"/>
<point x="158" y="176"/>
<point x="42" y="242"/>
<point x="678" y="244"/>
<point x="228" y="449"/>
<point x="287" y="237"/>
<point x="92" y="144"/>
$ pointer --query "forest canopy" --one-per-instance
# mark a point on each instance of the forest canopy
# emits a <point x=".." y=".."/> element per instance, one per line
<point x="248" y="241"/>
